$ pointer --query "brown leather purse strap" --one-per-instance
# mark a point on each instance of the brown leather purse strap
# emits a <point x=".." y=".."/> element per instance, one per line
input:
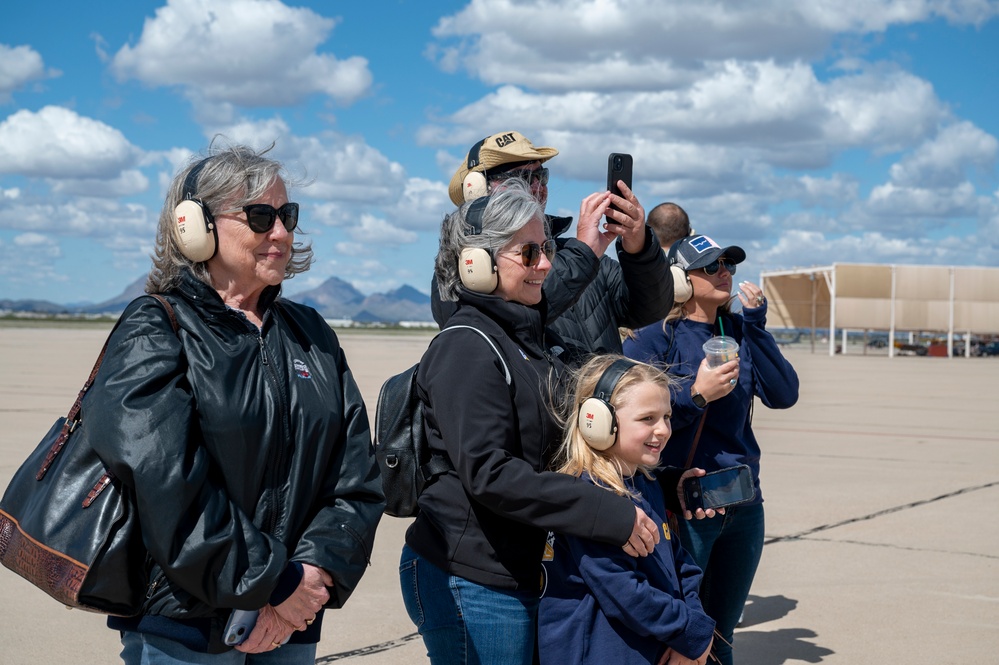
<point x="697" y="438"/>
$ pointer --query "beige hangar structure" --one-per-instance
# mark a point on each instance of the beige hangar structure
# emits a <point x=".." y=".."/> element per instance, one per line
<point x="894" y="298"/>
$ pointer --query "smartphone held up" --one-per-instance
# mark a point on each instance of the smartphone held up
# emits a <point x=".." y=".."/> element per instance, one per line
<point x="719" y="489"/>
<point x="619" y="167"/>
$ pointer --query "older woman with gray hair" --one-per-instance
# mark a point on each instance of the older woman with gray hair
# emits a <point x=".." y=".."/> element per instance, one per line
<point x="471" y="567"/>
<point x="240" y="430"/>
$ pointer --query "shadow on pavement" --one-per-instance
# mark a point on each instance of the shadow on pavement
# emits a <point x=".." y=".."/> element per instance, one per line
<point x="778" y="646"/>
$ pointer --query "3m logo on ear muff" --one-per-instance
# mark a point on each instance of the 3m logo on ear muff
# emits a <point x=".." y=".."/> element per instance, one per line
<point x="476" y="267"/>
<point x="194" y="231"/>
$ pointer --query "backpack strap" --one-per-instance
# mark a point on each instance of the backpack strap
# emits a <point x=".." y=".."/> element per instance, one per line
<point x="440" y="463"/>
<point x="506" y="370"/>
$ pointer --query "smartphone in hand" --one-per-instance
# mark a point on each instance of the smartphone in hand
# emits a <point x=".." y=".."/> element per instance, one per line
<point x="239" y="626"/>
<point x="718" y="489"/>
<point x="619" y="167"/>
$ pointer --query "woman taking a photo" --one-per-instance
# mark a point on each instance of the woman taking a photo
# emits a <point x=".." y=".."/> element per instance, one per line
<point x="712" y="412"/>
<point x="242" y="434"/>
<point x="471" y="568"/>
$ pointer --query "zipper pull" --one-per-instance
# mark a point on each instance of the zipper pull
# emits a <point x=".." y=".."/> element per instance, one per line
<point x="263" y="349"/>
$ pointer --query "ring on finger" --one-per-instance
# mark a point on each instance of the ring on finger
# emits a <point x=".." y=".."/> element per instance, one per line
<point x="734" y="381"/>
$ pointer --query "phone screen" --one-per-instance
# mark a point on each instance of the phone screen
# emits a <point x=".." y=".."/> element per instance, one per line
<point x="722" y="488"/>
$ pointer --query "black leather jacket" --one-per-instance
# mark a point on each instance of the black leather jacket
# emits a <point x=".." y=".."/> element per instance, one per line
<point x="247" y="449"/>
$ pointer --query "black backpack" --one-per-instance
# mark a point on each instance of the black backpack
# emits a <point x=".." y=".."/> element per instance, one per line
<point x="407" y="464"/>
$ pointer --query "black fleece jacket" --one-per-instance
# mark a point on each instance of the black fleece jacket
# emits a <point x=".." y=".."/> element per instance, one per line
<point x="487" y="519"/>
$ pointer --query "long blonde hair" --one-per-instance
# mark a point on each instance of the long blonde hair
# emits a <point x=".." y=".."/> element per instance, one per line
<point x="576" y="457"/>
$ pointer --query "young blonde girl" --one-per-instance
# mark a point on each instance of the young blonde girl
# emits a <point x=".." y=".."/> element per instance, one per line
<point x="601" y="605"/>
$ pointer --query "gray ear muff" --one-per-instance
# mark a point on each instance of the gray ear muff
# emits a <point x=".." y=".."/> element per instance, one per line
<point x="476" y="267"/>
<point x="596" y="420"/>
<point x="194" y="227"/>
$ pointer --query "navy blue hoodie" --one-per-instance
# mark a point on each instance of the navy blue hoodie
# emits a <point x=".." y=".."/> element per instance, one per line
<point x="602" y="606"/>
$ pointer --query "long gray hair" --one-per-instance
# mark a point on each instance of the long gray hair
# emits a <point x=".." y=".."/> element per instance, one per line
<point x="232" y="176"/>
<point x="508" y="211"/>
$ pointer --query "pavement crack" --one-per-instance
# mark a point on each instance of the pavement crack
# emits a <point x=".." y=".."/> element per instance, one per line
<point x="868" y="543"/>
<point x="880" y="513"/>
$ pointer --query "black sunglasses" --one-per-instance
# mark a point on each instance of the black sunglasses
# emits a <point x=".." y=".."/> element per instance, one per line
<point x="260" y="216"/>
<point x="530" y="252"/>
<point x="540" y="176"/>
<point x="713" y="268"/>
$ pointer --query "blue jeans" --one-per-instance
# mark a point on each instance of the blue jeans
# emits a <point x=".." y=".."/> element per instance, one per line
<point x="464" y="623"/>
<point x="144" y="649"/>
<point x="727" y="548"/>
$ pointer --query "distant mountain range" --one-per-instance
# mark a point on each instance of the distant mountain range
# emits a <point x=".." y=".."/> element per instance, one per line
<point x="334" y="299"/>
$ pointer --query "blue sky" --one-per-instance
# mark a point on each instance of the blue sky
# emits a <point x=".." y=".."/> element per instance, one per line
<point x="808" y="133"/>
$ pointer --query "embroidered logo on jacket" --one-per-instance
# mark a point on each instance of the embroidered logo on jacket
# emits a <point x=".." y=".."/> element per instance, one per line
<point x="302" y="370"/>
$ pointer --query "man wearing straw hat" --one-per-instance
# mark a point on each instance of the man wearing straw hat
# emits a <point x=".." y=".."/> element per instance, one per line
<point x="589" y="295"/>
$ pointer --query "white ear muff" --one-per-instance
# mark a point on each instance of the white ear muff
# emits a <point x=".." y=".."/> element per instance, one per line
<point x="474" y="186"/>
<point x="596" y="420"/>
<point x="597" y="424"/>
<point x="194" y="232"/>
<point x="477" y="270"/>
<point x="476" y="267"/>
<point x="682" y="288"/>
<point x="194" y="228"/>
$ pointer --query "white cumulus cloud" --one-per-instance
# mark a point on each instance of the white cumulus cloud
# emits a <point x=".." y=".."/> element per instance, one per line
<point x="248" y="53"/>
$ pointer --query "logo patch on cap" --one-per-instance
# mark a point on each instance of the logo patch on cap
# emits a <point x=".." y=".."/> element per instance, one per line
<point x="702" y="244"/>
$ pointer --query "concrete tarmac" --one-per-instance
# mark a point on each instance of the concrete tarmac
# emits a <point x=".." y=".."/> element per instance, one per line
<point x="881" y="486"/>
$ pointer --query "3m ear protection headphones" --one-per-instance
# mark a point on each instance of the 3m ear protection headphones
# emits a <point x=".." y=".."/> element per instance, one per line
<point x="474" y="185"/>
<point x="596" y="420"/>
<point x="682" y="288"/>
<point x="476" y="267"/>
<point x="195" y="230"/>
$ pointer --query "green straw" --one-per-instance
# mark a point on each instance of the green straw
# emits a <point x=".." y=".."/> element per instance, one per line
<point x="721" y="327"/>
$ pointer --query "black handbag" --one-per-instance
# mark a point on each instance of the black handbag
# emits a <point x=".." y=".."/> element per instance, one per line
<point x="68" y="526"/>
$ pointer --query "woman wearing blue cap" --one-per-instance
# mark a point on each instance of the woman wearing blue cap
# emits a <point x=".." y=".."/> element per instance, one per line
<point x="712" y="411"/>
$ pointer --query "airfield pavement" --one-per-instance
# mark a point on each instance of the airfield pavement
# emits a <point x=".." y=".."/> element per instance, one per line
<point x="881" y="486"/>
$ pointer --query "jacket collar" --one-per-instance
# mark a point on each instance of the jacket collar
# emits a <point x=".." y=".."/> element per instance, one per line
<point x="519" y="321"/>
<point x="210" y="302"/>
<point x="558" y="225"/>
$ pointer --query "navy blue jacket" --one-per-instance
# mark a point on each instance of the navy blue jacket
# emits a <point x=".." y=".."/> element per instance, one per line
<point x="727" y="439"/>
<point x="602" y="606"/>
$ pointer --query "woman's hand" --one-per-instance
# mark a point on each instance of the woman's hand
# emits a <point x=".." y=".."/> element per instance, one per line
<point x="630" y="217"/>
<point x="591" y="211"/>
<point x="750" y="295"/>
<point x="643" y="537"/>
<point x="715" y="383"/>
<point x="701" y="512"/>
<point x="269" y="633"/>
<point x="299" y="610"/>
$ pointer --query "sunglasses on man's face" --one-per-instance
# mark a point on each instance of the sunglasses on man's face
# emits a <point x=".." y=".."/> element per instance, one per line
<point x="260" y="216"/>
<point x="713" y="268"/>
<point x="530" y="253"/>
<point x="537" y="177"/>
